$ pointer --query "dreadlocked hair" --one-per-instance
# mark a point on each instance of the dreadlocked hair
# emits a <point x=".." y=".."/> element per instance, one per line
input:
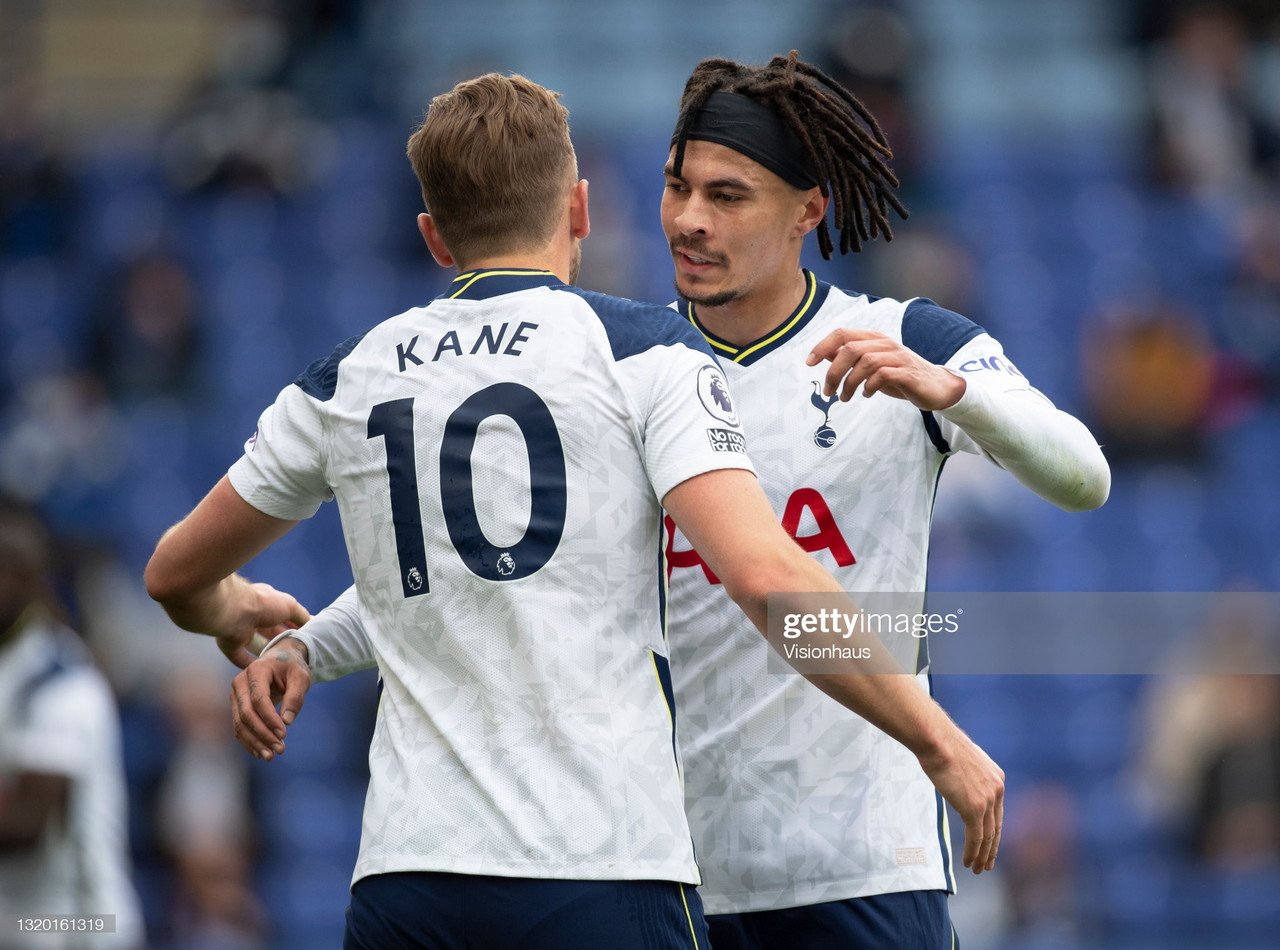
<point x="850" y="159"/>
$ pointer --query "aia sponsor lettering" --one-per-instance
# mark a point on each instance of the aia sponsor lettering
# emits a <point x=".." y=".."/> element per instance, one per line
<point x="827" y="537"/>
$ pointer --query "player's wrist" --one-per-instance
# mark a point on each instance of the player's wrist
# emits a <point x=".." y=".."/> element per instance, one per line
<point x="289" y="644"/>
<point x="933" y="743"/>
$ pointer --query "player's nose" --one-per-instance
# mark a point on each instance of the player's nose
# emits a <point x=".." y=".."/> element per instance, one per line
<point x="693" y="217"/>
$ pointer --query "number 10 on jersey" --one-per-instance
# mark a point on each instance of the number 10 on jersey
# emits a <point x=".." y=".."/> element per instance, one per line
<point x="393" y="422"/>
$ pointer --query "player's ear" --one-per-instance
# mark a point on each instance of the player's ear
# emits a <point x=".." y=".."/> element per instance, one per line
<point x="579" y="218"/>
<point x="812" y="211"/>
<point x="435" y="244"/>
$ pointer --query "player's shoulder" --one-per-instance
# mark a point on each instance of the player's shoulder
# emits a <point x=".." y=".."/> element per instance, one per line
<point x="634" y="327"/>
<point x="320" y="378"/>
<point x="59" y="668"/>
<point x="930" y="330"/>
<point x="934" y="332"/>
<point x="853" y="308"/>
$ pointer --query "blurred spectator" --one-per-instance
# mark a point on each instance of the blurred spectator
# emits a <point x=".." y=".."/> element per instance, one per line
<point x="1237" y="813"/>
<point x="1211" y="764"/>
<point x="1149" y="376"/>
<point x="243" y="128"/>
<point x="62" y="789"/>
<point x="205" y="820"/>
<point x="926" y="261"/>
<point x="870" y="49"/>
<point x="62" y="445"/>
<point x="1038" y="850"/>
<point x="324" y="61"/>
<point x="38" y="195"/>
<point x="1216" y="132"/>
<point x="146" y="342"/>
<point x="1251" y="329"/>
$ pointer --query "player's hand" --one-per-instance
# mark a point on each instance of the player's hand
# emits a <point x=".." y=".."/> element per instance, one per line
<point x="281" y="676"/>
<point x="974" y="786"/>
<point x="883" y="365"/>
<point x="267" y="613"/>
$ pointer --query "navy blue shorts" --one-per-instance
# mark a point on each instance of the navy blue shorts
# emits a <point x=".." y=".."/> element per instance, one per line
<point x="434" y="911"/>
<point x="911" y="920"/>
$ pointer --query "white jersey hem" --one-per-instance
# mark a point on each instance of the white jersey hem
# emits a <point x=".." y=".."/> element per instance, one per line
<point x="816" y="892"/>
<point x="539" y="870"/>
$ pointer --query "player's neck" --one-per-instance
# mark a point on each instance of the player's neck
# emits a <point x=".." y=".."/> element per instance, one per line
<point x="556" y="260"/>
<point x="752" y="315"/>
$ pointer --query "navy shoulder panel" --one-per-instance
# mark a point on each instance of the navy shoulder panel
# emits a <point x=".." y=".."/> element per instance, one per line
<point x="634" y="327"/>
<point x="934" y="332"/>
<point x="320" y="379"/>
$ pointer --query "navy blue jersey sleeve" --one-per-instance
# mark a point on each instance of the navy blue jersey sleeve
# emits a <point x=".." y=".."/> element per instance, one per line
<point x="936" y="333"/>
<point x="320" y="379"/>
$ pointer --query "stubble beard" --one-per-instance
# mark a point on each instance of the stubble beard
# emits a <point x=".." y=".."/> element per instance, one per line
<point x="708" y="300"/>
<point x="575" y="262"/>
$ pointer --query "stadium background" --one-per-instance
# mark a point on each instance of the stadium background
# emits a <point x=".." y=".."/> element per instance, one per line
<point x="198" y="198"/>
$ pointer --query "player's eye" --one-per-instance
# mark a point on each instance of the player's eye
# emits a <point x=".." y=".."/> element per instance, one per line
<point x="677" y="186"/>
<point x="724" y="198"/>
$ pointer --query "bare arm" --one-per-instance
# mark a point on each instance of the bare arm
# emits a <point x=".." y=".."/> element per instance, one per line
<point x="192" y="573"/>
<point x="727" y="518"/>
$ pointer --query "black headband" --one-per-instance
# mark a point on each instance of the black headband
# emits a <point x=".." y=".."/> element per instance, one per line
<point x="757" y="131"/>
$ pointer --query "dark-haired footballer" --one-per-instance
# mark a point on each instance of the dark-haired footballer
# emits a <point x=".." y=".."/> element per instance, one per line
<point x="813" y="828"/>
<point x="828" y="835"/>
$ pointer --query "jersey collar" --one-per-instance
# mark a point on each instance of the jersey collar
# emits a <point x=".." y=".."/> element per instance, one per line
<point x="482" y="284"/>
<point x="814" y="297"/>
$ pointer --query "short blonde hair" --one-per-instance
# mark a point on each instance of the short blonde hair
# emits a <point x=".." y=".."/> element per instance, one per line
<point x="495" y="163"/>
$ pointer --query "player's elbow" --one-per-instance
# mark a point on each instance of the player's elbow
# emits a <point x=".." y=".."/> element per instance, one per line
<point x="783" y="569"/>
<point x="1091" y="486"/>
<point x="750" y="593"/>
<point x="164" y="581"/>
<point x="161" y="585"/>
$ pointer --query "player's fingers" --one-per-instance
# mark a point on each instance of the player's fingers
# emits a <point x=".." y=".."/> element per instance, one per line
<point x="990" y="837"/>
<point x="988" y="843"/>
<point x="832" y="342"/>
<point x="855" y="361"/>
<point x="256" y="736"/>
<point x="297" y="682"/>
<point x="260" y="684"/>
<point x="844" y="366"/>
<point x="842" y="361"/>
<point x="248" y="744"/>
<point x="826" y="347"/>
<point x="234" y="652"/>
<point x="871" y="360"/>
<point x="869" y="367"/>
<point x="298" y="615"/>
<point x="277" y="607"/>
<point x="972" y="840"/>
<point x="886" y="379"/>
<point x="995" y="848"/>
<point x="845" y="357"/>
<point x="250" y="734"/>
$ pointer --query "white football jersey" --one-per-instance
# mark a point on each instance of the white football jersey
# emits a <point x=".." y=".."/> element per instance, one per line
<point x="498" y="458"/>
<point x="793" y="799"/>
<point x="57" y="716"/>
